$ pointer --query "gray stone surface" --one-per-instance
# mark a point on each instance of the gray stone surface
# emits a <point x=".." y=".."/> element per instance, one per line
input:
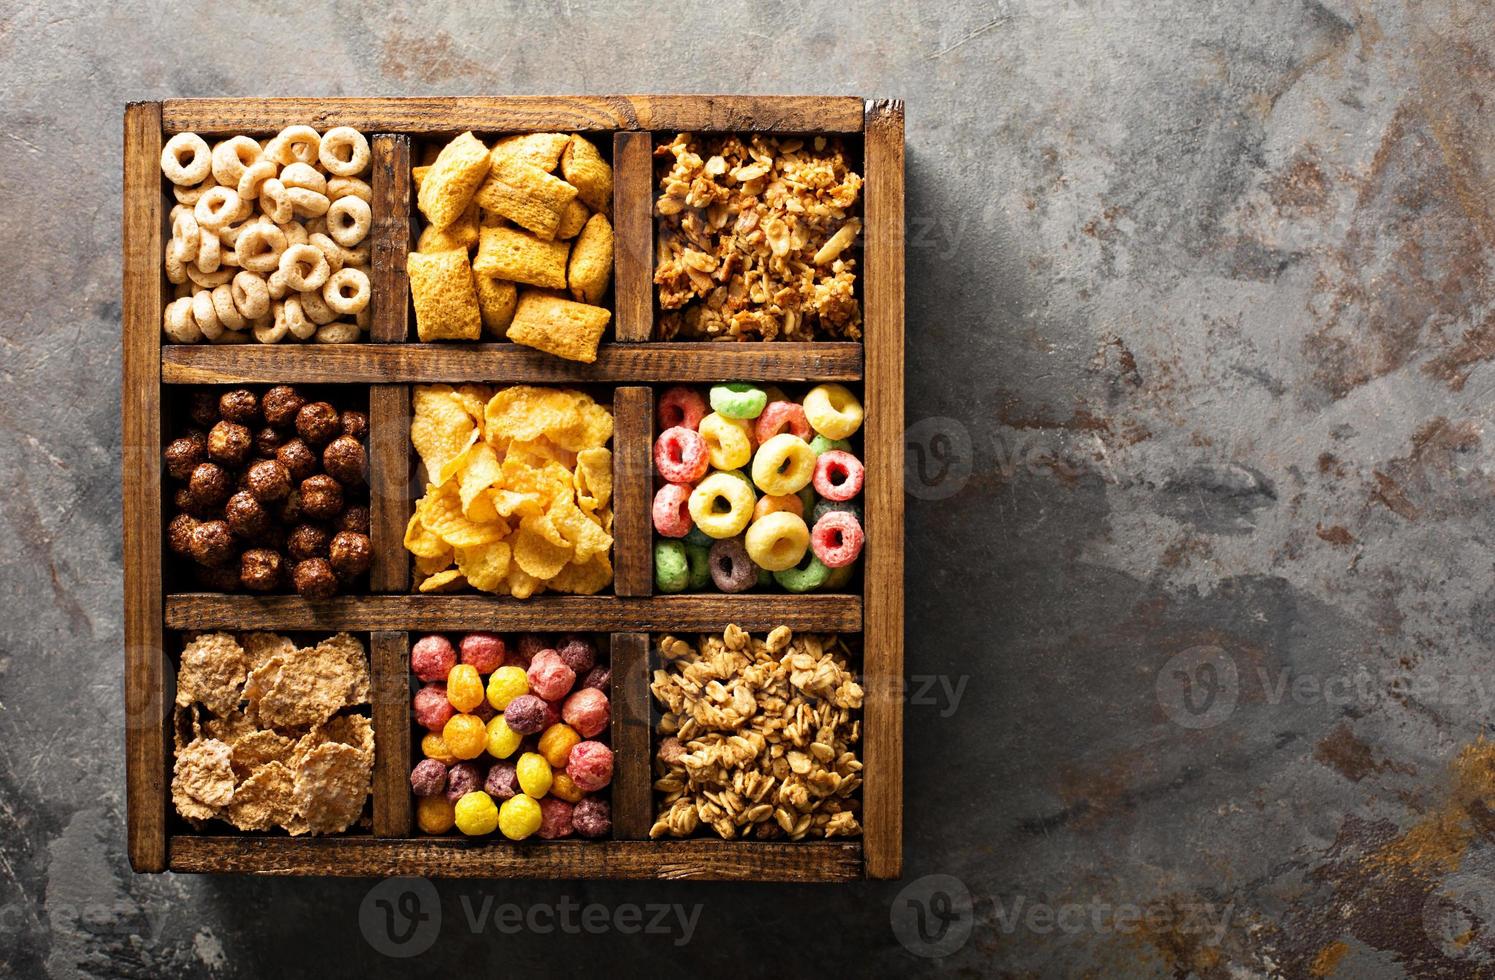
<point x="1200" y="326"/>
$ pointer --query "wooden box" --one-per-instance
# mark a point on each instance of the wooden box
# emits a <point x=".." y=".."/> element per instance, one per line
<point x="629" y="363"/>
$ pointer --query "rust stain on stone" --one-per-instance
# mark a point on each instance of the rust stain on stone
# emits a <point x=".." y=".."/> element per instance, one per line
<point x="410" y="56"/>
<point x="1303" y="186"/>
<point x="1336" y="534"/>
<point x="1327" y="960"/>
<point x="1437" y="842"/>
<point x="1454" y="365"/>
<point x="1389" y="493"/>
<point x="1350" y="756"/>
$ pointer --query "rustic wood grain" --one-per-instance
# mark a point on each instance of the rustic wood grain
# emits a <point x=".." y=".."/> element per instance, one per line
<point x="391" y="238"/>
<point x="633" y="531"/>
<point x="633" y="236"/>
<point x="882" y="643"/>
<point x="145" y="713"/>
<point x="390" y="498"/>
<point x="512" y="363"/>
<point x="447" y="857"/>
<point x="633" y="777"/>
<point x="389" y="661"/>
<point x="603" y="614"/>
<point x="446" y="116"/>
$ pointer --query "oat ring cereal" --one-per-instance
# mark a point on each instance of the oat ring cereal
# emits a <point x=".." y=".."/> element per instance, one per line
<point x="260" y="247"/>
<point x="206" y="316"/>
<point x="347" y="291"/>
<point x="223" y="307"/>
<point x="189" y="195"/>
<point x="176" y="269"/>
<point x="184" y="233"/>
<point x="251" y="295"/>
<point x="331" y="251"/>
<point x="275" y="201"/>
<point x="270" y="333"/>
<point x="217" y="207"/>
<point x="209" y="251"/>
<point x="305" y="176"/>
<point x="232" y="157"/>
<point x="179" y="324"/>
<point x="344" y="151"/>
<point x="339" y="187"/>
<point x="304" y="267"/>
<point x="295" y="318"/>
<point x="307" y="203"/>
<point x="348" y="220"/>
<point x="208" y="280"/>
<point x="341" y="332"/>
<point x="316" y="308"/>
<point x="186" y="159"/>
<point x="252" y="180"/>
<point x="295" y="144"/>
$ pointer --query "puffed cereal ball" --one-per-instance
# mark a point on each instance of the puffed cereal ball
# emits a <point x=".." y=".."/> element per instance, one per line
<point x="587" y="711"/>
<point x="268" y="480"/>
<point x="432" y="657"/>
<point x="465" y="735"/>
<point x="600" y="677"/>
<point x="578" y="653"/>
<point x="484" y="651"/>
<point x="556" y="743"/>
<point x="435" y="815"/>
<point x="564" y="787"/>
<point x="462" y="779"/>
<point x="432" y="709"/>
<point x="549" y="677"/>
<point x="260" y="569"/>
<point x="464" y="688"/>
<point x="506" y="684"/>
<point x="590" y="765"/>
<point x="534" y="774"/>
<point x="433" y="747"/>
<point x="428" y="778"/>
<point x="519" y="817"/>
<point x="318" y="423"/>
<point x="502" y="782"/>
<point x="281" y="404"/>
<point x="351" y="553"/>
<point x="555" y="819"/>
<point x="213" y="543"/>
<point x="502" y="740"/>
<point x="182" y="455"/>
<point x="592" y="817"/>
<point x="179" y="534"/>
<point x="345" y="461"/>
<point x="314" y="578"/>
<point x="476" y="815"/>
<point x="530" y="644"/>
<point x="229" y="443"/>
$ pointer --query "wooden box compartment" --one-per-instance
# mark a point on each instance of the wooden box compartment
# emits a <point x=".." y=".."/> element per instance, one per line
<point x="633" y="366"/>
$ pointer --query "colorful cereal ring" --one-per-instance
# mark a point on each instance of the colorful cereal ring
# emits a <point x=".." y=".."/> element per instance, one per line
<point x="729" y="442"/>
<point x="837" y="539"/>
<point x="680" y="406"/>
<point x="721" y="505"/>
<point x="802" y="577"/>
<point x="731" y="568"/>
<point x="838" y="475"/>
<point x="671" y="570"/>
<point x="680" y="455"/>
<point x="738" y="400"/>
<point x="833" y="411"/>
<point x="779" y="416"/>
<point x="777" y="541"/>
<point x="672" y="511"/>
<point x="783" y="464"/>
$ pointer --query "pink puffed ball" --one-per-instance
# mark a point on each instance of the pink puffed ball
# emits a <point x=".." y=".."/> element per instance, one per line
<point x="549" y="677"/>
<point x="524" y="651"/>
<point x="590" y="765"/>
<point x="552" y="713"/>
<point x="432" y="709"/>
<point x="671" y="511"/>
<point x="555" y="818"/>
<point x="587" y="711"/>
<point x="432" y="658"/>
<point x="484" y="651"/>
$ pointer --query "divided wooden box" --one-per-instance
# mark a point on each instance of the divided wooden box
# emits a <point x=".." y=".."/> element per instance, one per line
<point x="633" y="366"/>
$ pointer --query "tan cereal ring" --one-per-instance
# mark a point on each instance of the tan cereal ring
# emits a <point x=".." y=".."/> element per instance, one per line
<point x="186" y="159"/>
<point x="303" y="175"/>
<point x="315" y="307"/>
<point x="254" y="177"/>
<point x="329" y="248"/>
<point x="271" y="330"/>
<point x="316" y="226"/>
<point x="357" y="256"/>
<point x="341" y="332"/>
<point x="178" y="323"/>
<point x="348" y="220"/>
<point x="218" y="207"/>
<point x="223" y="305"/>
<point x="295" y="144"/>
<point x="275" y="284"/>
<point x="295" y="319"/>
<point x="251" y="295"/>
<point x="347" y="291"/>
<point x="304" y="267"/>
<point x="275" y="201"/>
<point x="205" y="315"/>
<point x="307" y="203"/>
<point x="295" y="233"/>
<point x="209" y="251"/>
<point x="190" y="195"/>
<point x="232" y="157"/>
<point x="260" y="247"/>
<point x="344" y="164"/>
<point x="349" y="187"/>
<point x="208" y="280"/>
<point x="184" y="230"/>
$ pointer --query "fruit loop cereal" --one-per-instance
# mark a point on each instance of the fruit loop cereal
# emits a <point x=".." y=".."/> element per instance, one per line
<point x="269" y="238"/>
<point x="746" y="482"/>
<point x="534" y="767"/>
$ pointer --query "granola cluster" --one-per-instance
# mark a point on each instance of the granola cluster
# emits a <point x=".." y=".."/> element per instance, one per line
<point x="754" y="239"/>
<point x="758" y="737"/>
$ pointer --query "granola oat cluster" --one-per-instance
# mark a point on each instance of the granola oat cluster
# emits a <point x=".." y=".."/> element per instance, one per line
<point x="754" y="237"/>
<point x="758" y="737"/>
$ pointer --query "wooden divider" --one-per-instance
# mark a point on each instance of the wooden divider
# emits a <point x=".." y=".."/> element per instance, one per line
<point x="633" y="777"/>
<point x="633" y="235"/>
<point x="633" y="530"/>
<point x="390" y="498"/>
<point x="389" y="654"/>
<point x="391" y="239"/>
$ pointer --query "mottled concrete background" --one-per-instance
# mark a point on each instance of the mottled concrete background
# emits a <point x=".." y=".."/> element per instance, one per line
<point x="1200" y="319"/>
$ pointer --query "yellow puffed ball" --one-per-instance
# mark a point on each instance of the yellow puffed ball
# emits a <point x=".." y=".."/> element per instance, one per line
<point x="534" y="774"/>
<point x="506" y="684"/>
<point x="519" y="816"/>
<point x="477" y="814"/>
<point x="564" y="787"/>
<point x="433" y="746"/>
<point x="556" y="743"/>
<point x="434" y="815"/>
<point x="465" y="736"/>
<point x="502" y="740"/>
<point x="464" y="688"/>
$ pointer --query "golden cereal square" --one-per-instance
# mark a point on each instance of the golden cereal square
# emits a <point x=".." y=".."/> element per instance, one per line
<point x="446" y="305"/>
<point x="526" y="195"/>
<point x="559" y="326"/>
<point x="462" y="234"/>
<point x="515" y="255"/>
<point x="541" y="149"/>
<point x="584" y="168"/>
<point x="449" y="185"/>
<point x="592" y="261"/>
<point x="496" y="302"/>
<point x="573" y="219"/>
